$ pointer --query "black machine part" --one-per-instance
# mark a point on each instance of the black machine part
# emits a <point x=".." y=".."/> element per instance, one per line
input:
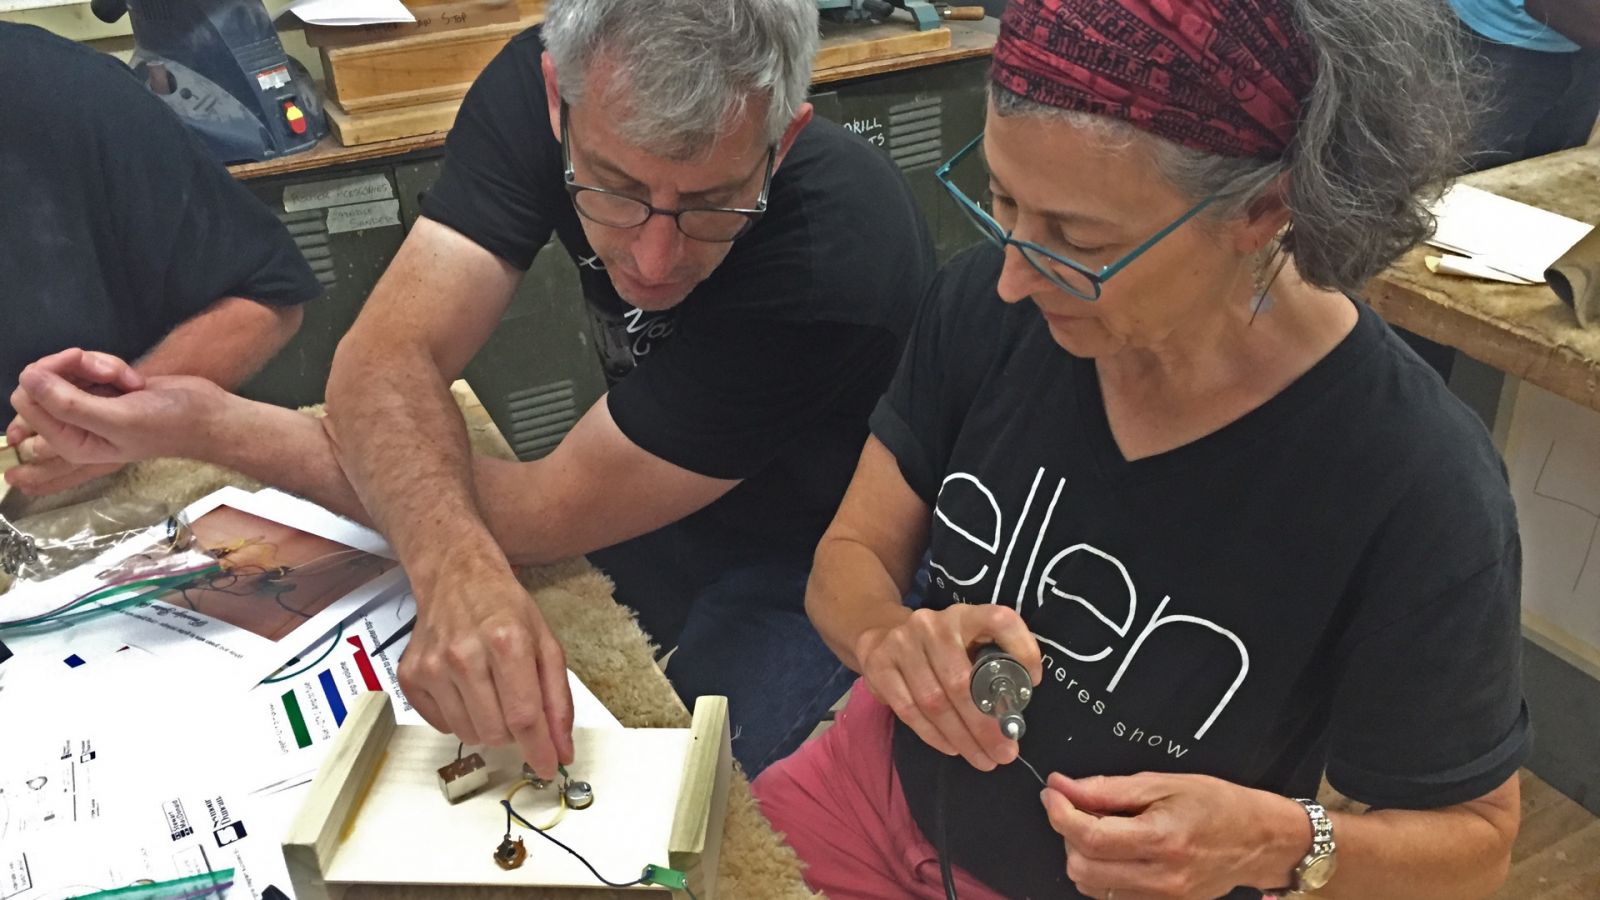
<point x="220" y="66"/>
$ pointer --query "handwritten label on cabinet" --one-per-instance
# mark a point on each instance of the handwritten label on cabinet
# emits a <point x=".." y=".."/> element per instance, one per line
<point x="360" y="216"/>
<point x="337" y="192"/>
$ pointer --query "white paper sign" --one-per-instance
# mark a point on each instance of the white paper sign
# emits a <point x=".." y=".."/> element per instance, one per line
<point x="361" y="216"/>
<point x="337" y="192"/>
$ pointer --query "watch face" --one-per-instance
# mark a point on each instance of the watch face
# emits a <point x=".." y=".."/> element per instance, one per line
<point x="1317" y="874"/>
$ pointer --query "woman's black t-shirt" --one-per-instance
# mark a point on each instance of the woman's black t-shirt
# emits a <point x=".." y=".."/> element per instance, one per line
<point x="1330" y="582"/>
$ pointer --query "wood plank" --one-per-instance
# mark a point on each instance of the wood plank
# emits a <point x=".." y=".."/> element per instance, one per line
<point x="846" y="45"/>
<point x="387" y="125"/>
<point x="387" y="73"/>
<point x="696" y="842"/>
<point x="968" y="40"/>
<point x="313" y="838"/>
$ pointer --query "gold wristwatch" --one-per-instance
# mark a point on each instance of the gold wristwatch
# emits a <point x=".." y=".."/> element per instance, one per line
<point x="1316" y="869"/>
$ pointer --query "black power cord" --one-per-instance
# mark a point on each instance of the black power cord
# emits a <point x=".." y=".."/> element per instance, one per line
<point x="945" y="873"/>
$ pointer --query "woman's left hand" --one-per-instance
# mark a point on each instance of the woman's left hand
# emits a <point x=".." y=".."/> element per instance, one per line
<point x="1174" y="837"/>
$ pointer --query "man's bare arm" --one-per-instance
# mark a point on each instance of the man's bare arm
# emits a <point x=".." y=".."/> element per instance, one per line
<point x="226" y="343"/>
<point x="400" y="438"/>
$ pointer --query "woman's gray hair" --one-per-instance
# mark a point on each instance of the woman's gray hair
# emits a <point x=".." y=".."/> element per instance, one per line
<point x="1384" y="128"/>
<point x="682" y="69"/>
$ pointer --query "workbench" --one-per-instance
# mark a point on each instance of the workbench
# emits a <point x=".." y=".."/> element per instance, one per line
<point x="1524" y="331"/>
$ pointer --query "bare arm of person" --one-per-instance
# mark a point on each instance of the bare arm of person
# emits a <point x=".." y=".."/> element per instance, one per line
<point x="916" y="662"/>
<point x="226" y="343"/>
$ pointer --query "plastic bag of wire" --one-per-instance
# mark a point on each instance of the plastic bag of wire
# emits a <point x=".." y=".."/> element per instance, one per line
<point x="168" y="560"/>
<point x="42" y="546"/>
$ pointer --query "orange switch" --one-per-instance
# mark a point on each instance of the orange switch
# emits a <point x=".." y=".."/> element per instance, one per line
<point x="295" y="118"/>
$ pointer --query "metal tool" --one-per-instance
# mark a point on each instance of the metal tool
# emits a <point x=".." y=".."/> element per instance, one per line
<point x="1001" y="688"/>
<point x="923" y="13"/>
<point x="960" y="13"/>
<point x="220" y="66"/>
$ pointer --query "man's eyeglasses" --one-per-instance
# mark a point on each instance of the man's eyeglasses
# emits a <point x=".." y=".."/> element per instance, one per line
<point x="1073" y="277"/>
<point x="714" y="224"/>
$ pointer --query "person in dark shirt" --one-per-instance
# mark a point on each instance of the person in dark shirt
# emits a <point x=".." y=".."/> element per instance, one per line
<point x="1238" y="534"/>
<point x="118" y="232"/>
<point x="753" y="273"/>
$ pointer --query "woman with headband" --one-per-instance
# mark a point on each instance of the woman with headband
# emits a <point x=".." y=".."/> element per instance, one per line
<point x="1148" y="440"/>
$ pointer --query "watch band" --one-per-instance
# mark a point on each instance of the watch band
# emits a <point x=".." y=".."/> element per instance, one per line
<point x="1322" y="851"/>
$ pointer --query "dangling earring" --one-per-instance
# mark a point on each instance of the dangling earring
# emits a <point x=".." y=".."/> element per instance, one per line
<point x="1264" y="282"/>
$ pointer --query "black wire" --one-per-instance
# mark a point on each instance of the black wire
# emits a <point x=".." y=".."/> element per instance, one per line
<point x="945" y="874"/>
<point x="512" y="814"/>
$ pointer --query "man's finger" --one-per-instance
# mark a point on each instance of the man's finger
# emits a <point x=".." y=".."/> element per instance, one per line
<point x="557" y="699"/>
<point x="454" y="712"/>
<point x="45" y="424"/>
<point x="428" y="709"/>
<point x="476" y="686"/>
<point x="18" y="431"/>
<point x="112" y="371"/>
<point x="34" y="477"/>
<point x="37" y="449"/>
<point x="85" y="367"/>
<point x="73" y="477"/>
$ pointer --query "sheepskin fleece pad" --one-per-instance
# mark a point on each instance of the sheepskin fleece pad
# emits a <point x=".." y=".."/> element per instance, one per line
<point x="605" y="648"/>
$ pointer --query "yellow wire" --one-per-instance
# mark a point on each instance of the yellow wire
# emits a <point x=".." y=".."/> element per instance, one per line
<point x="561" y="808"/>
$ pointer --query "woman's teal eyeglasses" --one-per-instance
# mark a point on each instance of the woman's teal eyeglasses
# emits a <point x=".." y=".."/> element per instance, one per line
<point x="1073" y="277"/>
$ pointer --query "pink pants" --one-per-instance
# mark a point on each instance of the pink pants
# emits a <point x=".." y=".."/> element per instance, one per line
<point x="839" y="804"/>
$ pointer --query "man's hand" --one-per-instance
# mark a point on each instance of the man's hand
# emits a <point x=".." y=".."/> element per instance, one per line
<point x="93" y="410"/>
<point x="44" y="469"/>
<point x="466" y="669"/>
<point x="922" y="671"/>
<point x="1174" y="837"/>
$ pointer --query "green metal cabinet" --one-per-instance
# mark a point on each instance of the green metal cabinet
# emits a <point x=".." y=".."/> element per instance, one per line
<point x="920" y="118"/>
<point x="539" y="371"/>
<point x="348" y="263"/>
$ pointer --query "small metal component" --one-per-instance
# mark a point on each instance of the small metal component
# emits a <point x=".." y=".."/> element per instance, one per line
<point x="464" y="777"/>
<point x="510" y="854"/>
<point x="535" y="781"/>
<point x="578" y="794"/>
<point x="1001" y="688"/>
<point x="17" y="549"/>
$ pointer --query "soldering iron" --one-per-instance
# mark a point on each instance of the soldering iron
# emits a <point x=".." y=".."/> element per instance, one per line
<point x="1001" y="688"/>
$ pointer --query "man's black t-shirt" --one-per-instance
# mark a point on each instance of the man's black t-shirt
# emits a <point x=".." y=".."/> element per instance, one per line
<point x="768" y="370"/>
<point x="1332" y="580"/>
<point x="115" y="223"/>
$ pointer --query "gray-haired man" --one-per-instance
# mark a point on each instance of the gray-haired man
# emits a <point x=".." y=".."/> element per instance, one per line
<point x="760" y="270"/>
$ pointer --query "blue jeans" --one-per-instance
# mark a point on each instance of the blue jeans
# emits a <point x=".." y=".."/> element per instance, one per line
<point x="740" y="630"/>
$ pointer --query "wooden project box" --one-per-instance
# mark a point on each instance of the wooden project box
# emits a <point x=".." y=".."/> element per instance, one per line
<point x="374" y="808"/>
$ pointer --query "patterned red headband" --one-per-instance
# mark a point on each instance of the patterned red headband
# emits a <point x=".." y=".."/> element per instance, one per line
<point x="1228" y="76"/>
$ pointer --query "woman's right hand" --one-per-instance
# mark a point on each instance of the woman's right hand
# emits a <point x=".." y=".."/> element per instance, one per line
<point x="921" y="669"/>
